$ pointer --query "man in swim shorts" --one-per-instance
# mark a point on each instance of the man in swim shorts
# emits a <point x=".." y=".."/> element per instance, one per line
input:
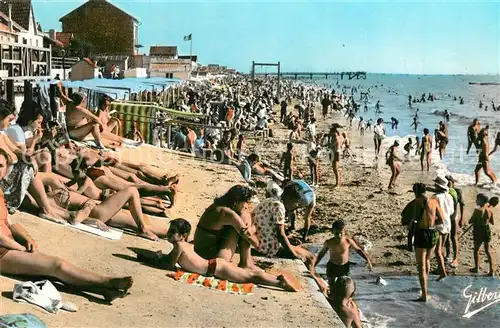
<point x="426" y="235"/>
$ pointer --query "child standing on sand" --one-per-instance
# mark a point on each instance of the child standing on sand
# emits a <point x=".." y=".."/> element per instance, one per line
<point x="183" y="254"/>
<point x="288" y="159"/>
<point x="347" y="146"/>
<point x="339" y="246"/>
<point x="480" y="220"/>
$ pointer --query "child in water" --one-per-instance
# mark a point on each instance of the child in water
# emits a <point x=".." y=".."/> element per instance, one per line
<point x="338" y="246"/>
<point x="417" y="150"/>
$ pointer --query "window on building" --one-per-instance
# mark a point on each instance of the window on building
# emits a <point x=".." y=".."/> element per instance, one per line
<point x="25" y="41"/>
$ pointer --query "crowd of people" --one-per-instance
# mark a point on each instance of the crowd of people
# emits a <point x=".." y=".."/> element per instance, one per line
<point x="45" y="171"/>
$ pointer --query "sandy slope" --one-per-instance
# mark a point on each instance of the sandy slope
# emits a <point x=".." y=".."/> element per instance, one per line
<point x="155" y="300"/>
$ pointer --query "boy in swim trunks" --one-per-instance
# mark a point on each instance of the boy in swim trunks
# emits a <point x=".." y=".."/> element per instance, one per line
<point x="480" y="220"/>
<point x="183" y="254"/>
<point x="339" y="246"/>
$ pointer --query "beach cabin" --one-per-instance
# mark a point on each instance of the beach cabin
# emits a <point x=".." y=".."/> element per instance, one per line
<point x="83" y="70"/>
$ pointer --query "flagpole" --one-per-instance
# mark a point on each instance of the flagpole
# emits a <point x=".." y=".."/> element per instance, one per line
<point x="191" y="53"/>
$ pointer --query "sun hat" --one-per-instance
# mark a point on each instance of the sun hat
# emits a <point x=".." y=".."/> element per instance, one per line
<point x="441" y="183"/>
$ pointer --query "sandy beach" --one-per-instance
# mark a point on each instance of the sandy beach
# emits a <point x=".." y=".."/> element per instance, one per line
<point x="157" y="300"/>
<point x="366" y="205"/>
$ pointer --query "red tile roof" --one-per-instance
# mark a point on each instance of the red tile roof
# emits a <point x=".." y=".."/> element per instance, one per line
<point x="4" y="28"/>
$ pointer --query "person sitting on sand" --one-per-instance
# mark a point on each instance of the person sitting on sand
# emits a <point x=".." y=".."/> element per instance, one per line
<point x="426" y="236"/>
<point x="392" y="160"/>
<point x="81" y="122"/>
<point x="288" y="161"/>
<point x="484" y="157"/>
<point x="338" y="246"/>
<point x="269" y="218"/>
<point x="378" y="135"/>
<point x="226" y="225"/>
<point x="426" y="150"/>
<point x="111" y="124"/>
<point x="472" y="134"/>
<point x="19" y="256"/>
<point x="185" y="256"/>
<point x="134" y="133"/>
<point x="480" y="220"/>
<point x="343" y="303"/>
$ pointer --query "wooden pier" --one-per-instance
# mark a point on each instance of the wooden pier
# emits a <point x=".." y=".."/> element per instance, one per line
<point x="317" y="75"/>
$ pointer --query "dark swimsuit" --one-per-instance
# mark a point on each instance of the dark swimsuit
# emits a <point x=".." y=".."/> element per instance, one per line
<point x="209" y="252"/>
<point x="426" y="238"/>
<point x="337" y="270"/>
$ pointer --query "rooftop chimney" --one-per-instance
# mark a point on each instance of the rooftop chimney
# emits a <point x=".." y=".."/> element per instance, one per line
<point x="52" y="34"/>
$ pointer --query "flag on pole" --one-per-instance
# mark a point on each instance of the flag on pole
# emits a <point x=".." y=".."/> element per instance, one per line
<point x="188" y="37"/>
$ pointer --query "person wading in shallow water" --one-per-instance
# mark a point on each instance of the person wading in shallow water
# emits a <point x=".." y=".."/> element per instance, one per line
<point x="484" y="157"/>
<point x="472" y="132"/>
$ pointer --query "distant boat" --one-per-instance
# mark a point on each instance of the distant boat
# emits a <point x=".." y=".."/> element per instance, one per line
<point x="485" y="83"/>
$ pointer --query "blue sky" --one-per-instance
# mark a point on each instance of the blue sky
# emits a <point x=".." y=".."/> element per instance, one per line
<point x="387" y="37"/>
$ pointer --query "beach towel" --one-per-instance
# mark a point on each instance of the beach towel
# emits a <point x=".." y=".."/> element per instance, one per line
<point x="24" y="320"/>
<point x="212" y="283"/>
<point x="112" y="234"/>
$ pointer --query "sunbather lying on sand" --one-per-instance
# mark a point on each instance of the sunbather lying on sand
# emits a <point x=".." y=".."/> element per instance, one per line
<point x="19" y="256"/>
<point x="183" y="254"/>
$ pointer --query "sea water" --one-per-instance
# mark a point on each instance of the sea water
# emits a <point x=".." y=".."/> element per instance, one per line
<point x="393" y="90"/>
<point x="393" y="305"/>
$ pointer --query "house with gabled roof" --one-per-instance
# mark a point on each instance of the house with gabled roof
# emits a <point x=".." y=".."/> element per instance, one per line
<point x="108" y="29"/>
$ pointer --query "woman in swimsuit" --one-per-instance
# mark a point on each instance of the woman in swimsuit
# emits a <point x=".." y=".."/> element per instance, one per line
<point x="19" y="256"/>
<point x="484" y="158"/>
<point x="426" y="149"/>
<point x="481" y="220"/>
<point x="392" y="160"/>
<point x="225" y="225"/>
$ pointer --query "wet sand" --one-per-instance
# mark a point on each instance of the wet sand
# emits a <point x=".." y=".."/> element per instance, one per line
<point x="365" y="203"/>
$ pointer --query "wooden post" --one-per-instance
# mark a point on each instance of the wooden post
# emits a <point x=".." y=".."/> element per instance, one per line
<point x="10" y="91"/>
